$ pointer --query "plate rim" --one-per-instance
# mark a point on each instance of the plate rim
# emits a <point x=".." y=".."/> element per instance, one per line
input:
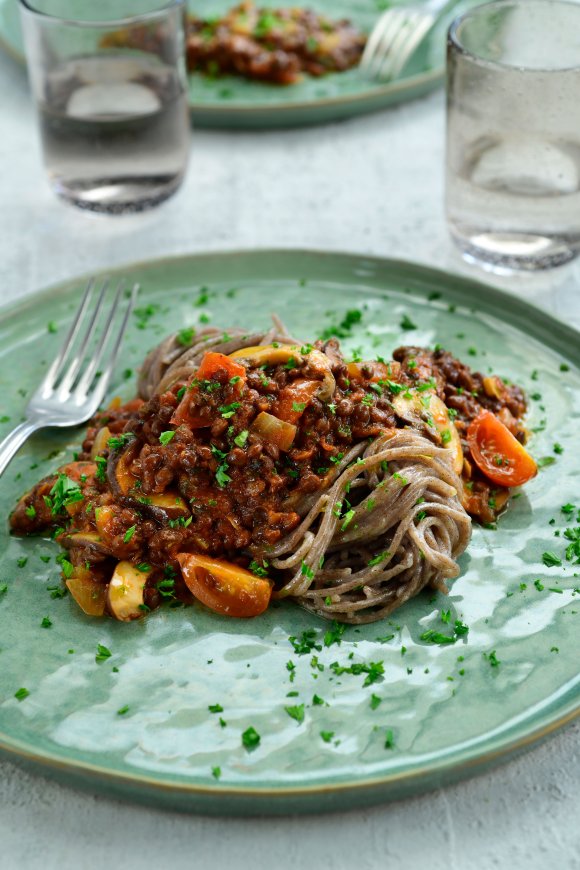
<point x="458" y="763"/>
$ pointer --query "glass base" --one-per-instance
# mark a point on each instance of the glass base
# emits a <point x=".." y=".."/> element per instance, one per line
<point x="503" y="252"/>
<point x="118" y="196"/>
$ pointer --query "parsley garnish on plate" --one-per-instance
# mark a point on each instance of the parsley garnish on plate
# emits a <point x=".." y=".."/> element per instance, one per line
<point x="102" y="653"/>
<point x="251" y="739"/>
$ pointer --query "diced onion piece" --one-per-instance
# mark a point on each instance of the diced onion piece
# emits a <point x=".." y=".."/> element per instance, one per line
<point x="88" y="593"/>
<point x="100" y="442"/>
<point x="103" y="518"/>
<point x="276" y="431"/>
<point x="126" y="591"/>
<point x="493" y="387"/>
<point x="223" y="587"/>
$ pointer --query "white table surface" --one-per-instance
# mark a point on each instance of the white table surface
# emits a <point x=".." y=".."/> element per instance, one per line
<point x="371" y="185"/>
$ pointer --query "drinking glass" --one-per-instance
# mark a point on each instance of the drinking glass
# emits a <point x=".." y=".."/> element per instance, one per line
<point x="513" y="133"/>
<point x="109" y="81"/>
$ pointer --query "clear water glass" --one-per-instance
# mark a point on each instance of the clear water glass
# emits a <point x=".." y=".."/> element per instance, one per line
<point x="110" y="85"/>
<point x="513" y="133"/>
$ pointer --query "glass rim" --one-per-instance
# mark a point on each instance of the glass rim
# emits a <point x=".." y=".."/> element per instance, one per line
<point x="454" y="40"/>
<point x="27" y="6"/>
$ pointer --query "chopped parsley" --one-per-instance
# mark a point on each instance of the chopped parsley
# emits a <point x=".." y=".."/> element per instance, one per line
<point x="240" y="440"/>
<point x="63" y="493"/>
<point x="304" y="644"/>
<point x="185" y="336"/>
<point x="380" y="557"/>
<point x="102" y="653"/>
<point x="296" y="712"/>
<point x="327" y="736"/>
<point x="374" y="670"/>
<point x="389" y="739"/>
<point x="334" y="634"/>
<point x="21" y="694"/>
<point x="550" y="560"/>
<point x="492" y="659"/>
<point x="228" y="411"/>
<point x="166" y="437"/>
<point x="407" y="323"/>
<point x="129" y="534"/>
<point x="116" y="442"/>
<point x="101" y="472"/>
<point x="251" y="739"/>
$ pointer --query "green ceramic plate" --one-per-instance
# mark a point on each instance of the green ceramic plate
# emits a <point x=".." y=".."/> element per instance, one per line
<point x="232" y="102"/>
<point x="438" y="713"/>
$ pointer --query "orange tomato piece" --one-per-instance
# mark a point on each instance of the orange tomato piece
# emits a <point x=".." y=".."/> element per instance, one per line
<point x="210" y="364"/>
<point x="497" y="453"/>
<point x="294" y="399"/>
<point x="223" y="587"/>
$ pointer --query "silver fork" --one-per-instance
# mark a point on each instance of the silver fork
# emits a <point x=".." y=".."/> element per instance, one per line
<point x="76" y="382"/>
<point x="397" y="35"/>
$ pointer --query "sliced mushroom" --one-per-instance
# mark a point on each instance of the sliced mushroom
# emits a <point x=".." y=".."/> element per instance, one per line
<point x="426" y="411"/>
<point x="125" y="595"/>
<point x="167" y="505"/>
<point x="121" y="480"/>
<point x="90" y="541"/>
<point x="269" y="355"/>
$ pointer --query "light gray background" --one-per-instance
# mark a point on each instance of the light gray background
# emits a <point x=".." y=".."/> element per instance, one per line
<point x="371" y="185"/>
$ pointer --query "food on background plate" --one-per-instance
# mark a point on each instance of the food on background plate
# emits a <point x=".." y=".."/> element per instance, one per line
<point x="256" y="466"/>
<point x="272" y="45"/>
<point x="277" y="46"/>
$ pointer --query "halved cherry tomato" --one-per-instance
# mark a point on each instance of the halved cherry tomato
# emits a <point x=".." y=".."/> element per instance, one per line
<point x="497" y="453"/>
<point x="223" y="587"/>
<point x="210" y="364"/>
<point x="294" y="399"/>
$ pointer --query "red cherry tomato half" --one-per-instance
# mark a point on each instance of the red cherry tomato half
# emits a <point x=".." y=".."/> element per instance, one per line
<point x="497" y="453"/>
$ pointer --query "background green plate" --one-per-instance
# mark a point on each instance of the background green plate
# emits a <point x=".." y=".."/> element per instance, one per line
<point x="448" y="709"/>
<point x="233" y="102"/>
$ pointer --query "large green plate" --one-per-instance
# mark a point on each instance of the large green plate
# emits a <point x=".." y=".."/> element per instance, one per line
<point x="232" y="102"/>
<point x="451" y="712"/>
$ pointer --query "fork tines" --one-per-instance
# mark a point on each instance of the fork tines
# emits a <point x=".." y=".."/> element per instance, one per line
<point x="93" y="340"/>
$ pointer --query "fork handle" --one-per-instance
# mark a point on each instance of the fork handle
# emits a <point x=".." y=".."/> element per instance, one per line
<point x="15" y="440"/>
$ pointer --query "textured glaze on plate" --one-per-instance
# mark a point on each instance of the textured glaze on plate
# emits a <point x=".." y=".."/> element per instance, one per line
<point x="235" y="102"/>
<point x="446" y="710"/>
